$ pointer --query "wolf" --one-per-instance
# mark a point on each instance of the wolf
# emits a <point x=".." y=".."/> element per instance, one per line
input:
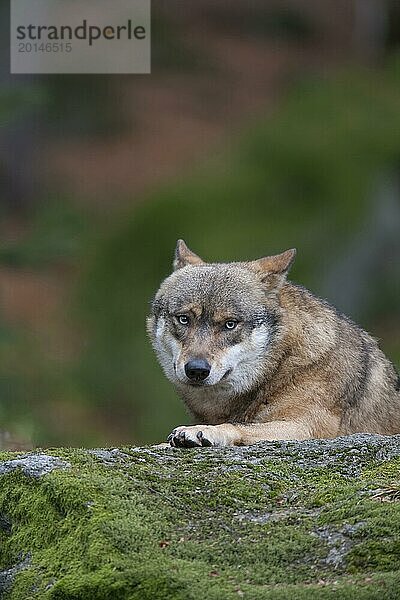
<point x="255" y="357"/>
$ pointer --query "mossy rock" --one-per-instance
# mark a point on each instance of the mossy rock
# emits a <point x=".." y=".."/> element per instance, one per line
<point x="281" y="520"/>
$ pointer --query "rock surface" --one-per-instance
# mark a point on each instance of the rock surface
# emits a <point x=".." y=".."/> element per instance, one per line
<point x="278" y="520"/>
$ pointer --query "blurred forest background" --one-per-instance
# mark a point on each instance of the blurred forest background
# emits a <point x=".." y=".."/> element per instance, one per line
<point x="264" y="125"/>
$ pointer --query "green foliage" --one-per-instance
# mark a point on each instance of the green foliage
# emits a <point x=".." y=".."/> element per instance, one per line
<point x="265" y="22"/>
<point x="16" y="102"/>
<point x="59" y="234"/>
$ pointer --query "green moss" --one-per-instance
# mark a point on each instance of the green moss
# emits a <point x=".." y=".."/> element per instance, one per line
<point x="147" y="524"/>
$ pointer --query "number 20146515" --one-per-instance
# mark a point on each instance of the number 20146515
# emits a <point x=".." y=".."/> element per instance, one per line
<point x="42" y="47"/>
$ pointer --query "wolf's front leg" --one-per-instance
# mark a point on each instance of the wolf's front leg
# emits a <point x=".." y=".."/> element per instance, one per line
<point x="229" y="434"/>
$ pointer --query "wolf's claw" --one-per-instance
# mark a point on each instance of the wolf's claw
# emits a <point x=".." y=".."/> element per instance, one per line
<point x="188" y="443"/>
<point x="203" y="441"/>
<point x="183" y="438"/>
<point x="188" y="437"/>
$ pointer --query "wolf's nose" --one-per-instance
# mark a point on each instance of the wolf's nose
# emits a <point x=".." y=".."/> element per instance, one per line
<point x="197" y="369"/>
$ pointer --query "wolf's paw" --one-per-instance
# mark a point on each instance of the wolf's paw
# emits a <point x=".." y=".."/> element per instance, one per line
<point x="197" y="435"/>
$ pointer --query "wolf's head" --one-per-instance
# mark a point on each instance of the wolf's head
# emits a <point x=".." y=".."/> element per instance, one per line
<point x="213" y="325"/>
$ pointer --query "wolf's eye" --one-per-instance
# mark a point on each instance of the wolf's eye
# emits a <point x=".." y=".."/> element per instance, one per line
<point x="183" y="319"/>
<point x="231" y="324"/>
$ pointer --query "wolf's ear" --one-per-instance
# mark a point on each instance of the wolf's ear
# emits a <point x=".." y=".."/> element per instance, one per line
<point x="184" y="256"/>
<point x="273" y="269"/>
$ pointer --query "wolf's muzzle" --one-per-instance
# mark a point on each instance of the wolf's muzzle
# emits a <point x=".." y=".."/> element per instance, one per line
<point x="197" y="369"/>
